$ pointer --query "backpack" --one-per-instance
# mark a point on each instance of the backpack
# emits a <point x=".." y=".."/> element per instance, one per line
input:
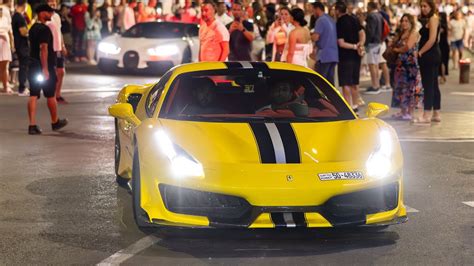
<point x="385" y="29"/>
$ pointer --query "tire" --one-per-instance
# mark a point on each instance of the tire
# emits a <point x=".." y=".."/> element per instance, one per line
<point x="187" y="56"/>
<point x="122" y="181"/>
<point x="141" y="218"/>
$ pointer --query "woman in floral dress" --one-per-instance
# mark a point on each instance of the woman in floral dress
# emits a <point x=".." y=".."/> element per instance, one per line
<point x="406" y="71"/>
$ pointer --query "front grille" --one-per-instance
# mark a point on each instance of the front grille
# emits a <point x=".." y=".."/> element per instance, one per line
<point x="217" y="207"/>
<point x="225" y="210"/>
<point x="131" y="59"/>
<point x="356" y="205"/>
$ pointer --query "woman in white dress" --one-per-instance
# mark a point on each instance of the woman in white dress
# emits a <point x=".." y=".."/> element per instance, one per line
<point x="6" y="45"/>
<point x="278" y="34"/>
<point x="299" y="41"/>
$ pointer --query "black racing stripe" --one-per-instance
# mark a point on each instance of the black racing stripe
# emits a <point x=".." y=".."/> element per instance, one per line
<point x="299" y="219"/>
<point x="264" y="142"/>
<point x="278" y="220"/>
<point x="233" y="65"/>
<point x="288" y="137"/>
<point x="259" y="65"/>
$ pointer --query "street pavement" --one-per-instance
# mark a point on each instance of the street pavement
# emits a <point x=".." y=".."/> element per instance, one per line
<point x="60" y="205"/>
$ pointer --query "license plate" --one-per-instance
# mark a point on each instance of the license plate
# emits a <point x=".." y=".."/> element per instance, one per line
<point x="340" y="176"/>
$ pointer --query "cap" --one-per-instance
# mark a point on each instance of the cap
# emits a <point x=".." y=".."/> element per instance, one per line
<point x="43" y="7"/>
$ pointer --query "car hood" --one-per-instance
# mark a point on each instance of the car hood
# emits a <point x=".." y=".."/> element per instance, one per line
<point x="241" y="143"/>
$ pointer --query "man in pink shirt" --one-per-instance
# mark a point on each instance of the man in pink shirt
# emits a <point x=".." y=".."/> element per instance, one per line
<point x="129" y="15"/>
<point x="59" y="48"/>
<point x="213" y="35"/>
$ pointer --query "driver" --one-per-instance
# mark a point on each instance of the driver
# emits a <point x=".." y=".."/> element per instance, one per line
<point x="204" y="98"/>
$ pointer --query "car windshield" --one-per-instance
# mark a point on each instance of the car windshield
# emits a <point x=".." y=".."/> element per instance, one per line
<point x="161" y="30"/>
<point x="243" y="95"/>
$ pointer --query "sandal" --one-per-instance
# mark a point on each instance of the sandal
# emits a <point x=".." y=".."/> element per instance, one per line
<point x="436" y="119"/>
<point x="7" y="91"/>
<point x="421" y="121"/>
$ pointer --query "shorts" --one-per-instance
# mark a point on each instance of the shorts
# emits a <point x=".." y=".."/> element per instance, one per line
<point x="60" y="62"/>
<point x="348" y="73"/>
<point x="383" y="47"/>
<point x="458" y="45"/>
<point x="36" y="85"/>
<point x="373" y="53"/>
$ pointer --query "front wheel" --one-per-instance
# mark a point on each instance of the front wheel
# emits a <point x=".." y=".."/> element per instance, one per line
<point x="141" y="218"/>
<point x="122" y="181"/>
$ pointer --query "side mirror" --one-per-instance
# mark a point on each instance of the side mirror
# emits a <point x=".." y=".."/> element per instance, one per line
<point x="124" y="111"/>
<point x="376" y="109"/>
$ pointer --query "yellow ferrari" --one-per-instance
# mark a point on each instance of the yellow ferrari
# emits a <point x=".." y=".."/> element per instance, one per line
<point x="254" y="145"/>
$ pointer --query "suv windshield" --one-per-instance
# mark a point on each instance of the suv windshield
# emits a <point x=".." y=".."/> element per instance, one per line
<point x="161" y="30"/>
<point x="250" y="94"/>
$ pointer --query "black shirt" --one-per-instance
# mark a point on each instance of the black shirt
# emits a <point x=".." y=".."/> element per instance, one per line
<point x="21" y="42"/>
<point x="348" y="28"/>
<point x="65" y="25"/>
<point x="39" y="34"/>
<point x="239" y="46"/>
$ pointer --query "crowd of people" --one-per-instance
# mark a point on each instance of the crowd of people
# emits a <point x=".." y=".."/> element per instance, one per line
<point x="404" y="48"/>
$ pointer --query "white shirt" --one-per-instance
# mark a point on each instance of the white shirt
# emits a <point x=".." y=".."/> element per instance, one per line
<point x="128" y="18"/>
<point x="55" y="27"/>
<point x="5" y="21"/>
<point x="224" y="18"/>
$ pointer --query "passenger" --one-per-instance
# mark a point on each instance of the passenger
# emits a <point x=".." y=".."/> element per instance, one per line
<point x="283" y="98"/>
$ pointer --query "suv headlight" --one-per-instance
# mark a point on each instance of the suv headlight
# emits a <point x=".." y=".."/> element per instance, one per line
<point x="182" y="164"/>
<point x="379" y="164"/>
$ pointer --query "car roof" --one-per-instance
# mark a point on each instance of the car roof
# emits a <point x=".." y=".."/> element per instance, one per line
<point x="203" y="66"/>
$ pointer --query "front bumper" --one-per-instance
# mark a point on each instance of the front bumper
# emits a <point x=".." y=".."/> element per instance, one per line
<point x="370" y="207"/>
<point x="132" y="59"/>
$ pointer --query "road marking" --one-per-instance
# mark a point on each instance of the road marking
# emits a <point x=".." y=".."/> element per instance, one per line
<point x="469" y="203"/>
<point x="410" y="209"/>
<point x="129" y="251"/>
<point x="461" y="93"/>
<point x="257" y="249"/>
<point x="441" y="140"/>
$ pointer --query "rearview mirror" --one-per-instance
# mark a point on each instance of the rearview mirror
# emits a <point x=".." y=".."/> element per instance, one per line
<point x="124" y="111"/>
<point x="376" y="109"/>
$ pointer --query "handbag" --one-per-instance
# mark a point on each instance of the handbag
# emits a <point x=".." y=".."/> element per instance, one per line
<point x="390" y="56"/>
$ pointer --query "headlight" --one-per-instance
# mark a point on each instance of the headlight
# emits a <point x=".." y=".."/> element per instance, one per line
<point x="108" y="48"/>
<point x="379" y="164"/>
<point x="164" y="50"/>
<point x="182" y="164"/>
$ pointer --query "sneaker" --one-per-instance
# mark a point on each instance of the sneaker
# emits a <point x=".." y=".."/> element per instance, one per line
<point x="372" y="90"/>
<point x="386" y="88"/>
<point x="59" y="124"/>
<point x="34" y="130"/>
<point x="61" y="100"/>
<point x="26" y="92"/>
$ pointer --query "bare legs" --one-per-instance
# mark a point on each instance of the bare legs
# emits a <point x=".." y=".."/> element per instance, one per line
<point x="60" y="72"/>
<point x="52" y="106"/>
<point x="4" y="76"/>
<point x="374" y="76"/>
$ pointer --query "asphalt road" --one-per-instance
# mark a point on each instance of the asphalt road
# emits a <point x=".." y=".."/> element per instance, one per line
<point x="59" y="203"/>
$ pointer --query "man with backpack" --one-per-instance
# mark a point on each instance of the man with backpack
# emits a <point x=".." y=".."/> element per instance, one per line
<point x="385" y="79"/>
<point x="373" y="44"/>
